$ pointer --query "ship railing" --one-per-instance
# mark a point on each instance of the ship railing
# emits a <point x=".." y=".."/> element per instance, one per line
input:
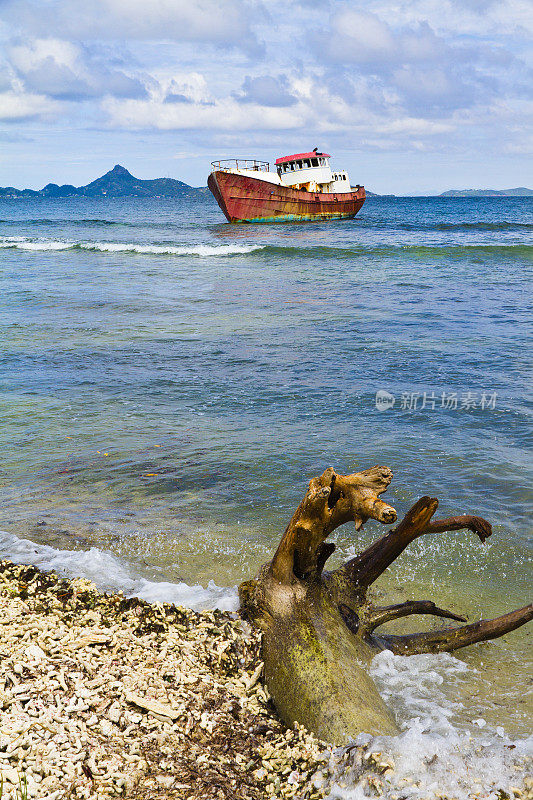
<point x="228" y="164"/>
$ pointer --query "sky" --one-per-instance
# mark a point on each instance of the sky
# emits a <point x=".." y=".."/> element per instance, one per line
<point x="411" y="96"/>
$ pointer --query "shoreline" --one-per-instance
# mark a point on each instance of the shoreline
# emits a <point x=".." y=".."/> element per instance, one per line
<point x="103" y="696"/>
<point x="106" y="697"/>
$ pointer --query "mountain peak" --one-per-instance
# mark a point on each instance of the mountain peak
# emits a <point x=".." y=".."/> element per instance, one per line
<point x="118" y="182"/>
<point x="118" y="169"/>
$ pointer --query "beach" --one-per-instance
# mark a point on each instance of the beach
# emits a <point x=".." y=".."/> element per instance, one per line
<point x="108" y="697"/>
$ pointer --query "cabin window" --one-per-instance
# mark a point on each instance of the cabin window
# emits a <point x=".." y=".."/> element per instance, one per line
<point x="307" y="163"/>
<point x="299" y="164"/>
<point x="314" y="162"/>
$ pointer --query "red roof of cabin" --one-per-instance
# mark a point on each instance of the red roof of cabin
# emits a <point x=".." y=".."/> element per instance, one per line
<point x="299" y="156"/>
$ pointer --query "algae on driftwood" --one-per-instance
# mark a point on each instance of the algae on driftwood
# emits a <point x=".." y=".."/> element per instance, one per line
<point x="320" y="629"/>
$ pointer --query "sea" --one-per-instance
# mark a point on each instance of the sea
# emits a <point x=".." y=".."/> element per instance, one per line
<point x="170" y="383"/>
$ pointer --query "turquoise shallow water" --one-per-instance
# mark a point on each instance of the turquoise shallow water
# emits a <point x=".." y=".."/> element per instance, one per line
<point x="170" y="383"/>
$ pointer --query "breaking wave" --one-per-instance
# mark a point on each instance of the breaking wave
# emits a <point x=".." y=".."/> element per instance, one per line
<point x="111" y="574"/>
<point x="321" y="251"/>
<point x="433" y="756"/>
<point x="43" y="245"/>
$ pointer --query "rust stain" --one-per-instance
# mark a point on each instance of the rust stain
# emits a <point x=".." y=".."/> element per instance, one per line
<point x="246" y="199"/>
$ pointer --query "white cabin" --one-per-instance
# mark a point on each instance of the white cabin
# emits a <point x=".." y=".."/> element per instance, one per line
<point x="310" y="172"/>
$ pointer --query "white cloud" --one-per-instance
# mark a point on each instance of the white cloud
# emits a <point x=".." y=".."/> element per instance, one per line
<point x="222" y="22"/>
<point x="396" y="75"/>
<point x="316" y="111"/>
<point x="64" y="70"/>
<point x="225" y="114"/>
<point x="17" y="106"/>
<point x="266" y="90"/>
<point x="425" y="72"/>
<point x="361" y="37"/>
<point x="188" y="87"/>
<point x="461" y="17"/>
<point x="357" y="36"/>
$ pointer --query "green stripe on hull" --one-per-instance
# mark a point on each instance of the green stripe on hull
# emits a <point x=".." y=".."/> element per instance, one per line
<point x="296" y="218"/>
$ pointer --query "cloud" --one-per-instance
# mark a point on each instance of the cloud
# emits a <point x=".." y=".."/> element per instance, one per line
<point x="418" y="69"/>
<point x="182" y="88"/>
<point x="63" y="70"/>
<point x="356" y="37"/>
<point x="224" y="114"/>
<point x="423" y="75"/>
<point x="6" y="76"/>
<point x="475" y="18"/>
<point x="362" y="37"/>
<point x="266" y="91"/>
<point x="19" y="106"/>
<point x="318" y="110"/>
<point x="222" y="22"/>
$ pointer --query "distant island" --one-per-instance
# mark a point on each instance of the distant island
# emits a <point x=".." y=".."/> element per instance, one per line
<point x="118" y="182"/>
<point x="520" y="191"/>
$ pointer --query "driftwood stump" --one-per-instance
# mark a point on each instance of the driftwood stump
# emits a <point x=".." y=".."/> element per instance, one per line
<point x="320" y="629"/>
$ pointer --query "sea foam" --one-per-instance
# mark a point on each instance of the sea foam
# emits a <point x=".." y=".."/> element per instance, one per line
<point x="111" y="574"/>
<point x="43" y="245"/>
<point x="434" y="755"/>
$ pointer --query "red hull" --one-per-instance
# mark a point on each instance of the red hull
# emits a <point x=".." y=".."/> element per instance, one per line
<point x="244" y="199"/>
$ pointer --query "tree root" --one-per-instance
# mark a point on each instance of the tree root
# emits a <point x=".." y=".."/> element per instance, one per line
<point x="319" y="626"/>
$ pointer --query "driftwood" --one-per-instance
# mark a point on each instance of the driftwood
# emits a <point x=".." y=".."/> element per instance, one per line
<point x="320" y="629"/>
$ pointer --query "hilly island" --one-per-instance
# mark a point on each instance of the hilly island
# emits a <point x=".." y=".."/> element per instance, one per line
<point x="118" y="182"/>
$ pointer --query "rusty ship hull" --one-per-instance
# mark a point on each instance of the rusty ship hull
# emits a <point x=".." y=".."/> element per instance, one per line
<point x="246" y="199"/>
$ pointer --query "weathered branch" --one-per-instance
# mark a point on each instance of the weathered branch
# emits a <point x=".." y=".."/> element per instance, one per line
<point x="318" y="629"/>
<point x="365" y="568"/>
<point x="454" y="638"/>
<point x="330" y="501"/>
<point x="379" y="616"/>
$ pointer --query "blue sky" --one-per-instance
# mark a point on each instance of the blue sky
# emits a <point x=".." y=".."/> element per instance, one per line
<point x="412" y="96"/>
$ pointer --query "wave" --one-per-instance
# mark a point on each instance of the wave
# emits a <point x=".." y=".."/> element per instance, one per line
<point x="502" y="225"/>
<point x="484" y="226"/>
<point x="432" y="756"/>
<point x="111" y="574"/>
<point x="285" y="251"/>
<point x="366" y="222"/>
<point x="427" y="251"/>
<point x="43" y="245"/>
<point x="88" y="221"/>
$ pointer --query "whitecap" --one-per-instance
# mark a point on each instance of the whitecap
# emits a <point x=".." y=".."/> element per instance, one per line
<point x="111" y="574"/>
<point x="433" y="755"/>
<point x="25" y="243"/>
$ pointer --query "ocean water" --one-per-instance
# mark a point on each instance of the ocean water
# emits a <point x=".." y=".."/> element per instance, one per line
<point x="170" y="383"/>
